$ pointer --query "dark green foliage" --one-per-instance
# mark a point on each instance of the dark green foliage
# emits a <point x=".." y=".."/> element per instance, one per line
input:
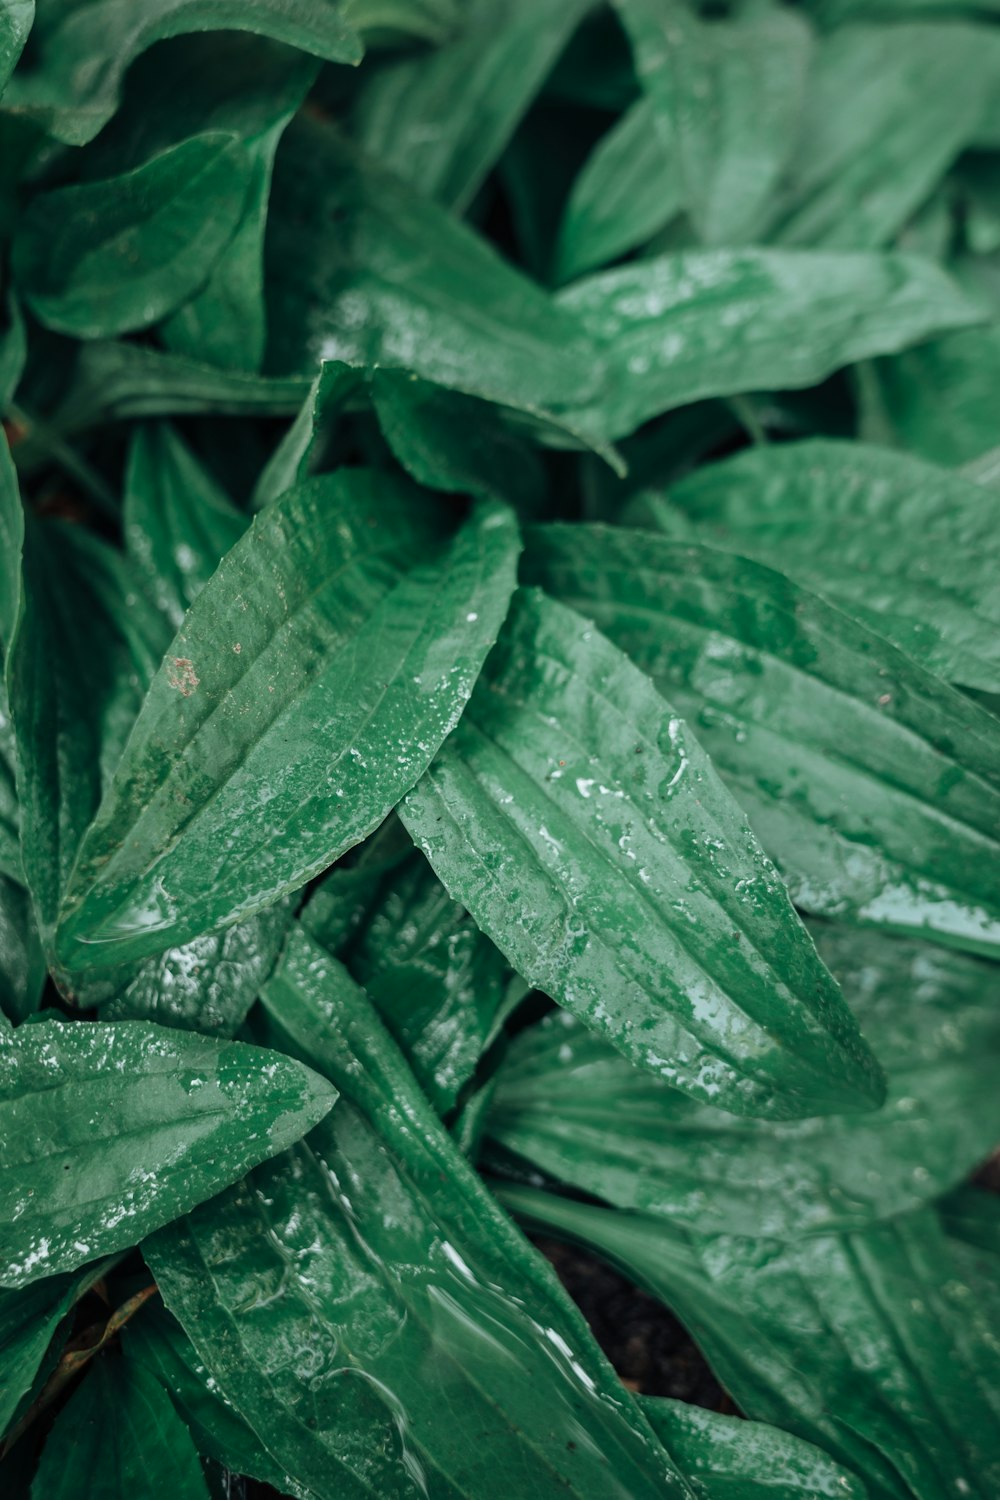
<point x="500" y="641"/>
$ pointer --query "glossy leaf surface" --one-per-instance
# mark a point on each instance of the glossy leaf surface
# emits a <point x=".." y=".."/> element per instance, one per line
<point x="371" y="617"/>
<point x="725" y="98"/>
<point x="120" y="1429"/>
<point x="15" y="23"/>
<point x="569" y="1105"/>
<point x="392" y="1261"/>
<point x="682" y="327"/>
<point x="872" y="784"/>
<point x="112" y="1130"/>
<point x="900" y="544"/>
<point x="108" y="257"/>
<point x="726" y="1458"/>
<point x="857" y="1325"/>
<point x="577" y="818"/>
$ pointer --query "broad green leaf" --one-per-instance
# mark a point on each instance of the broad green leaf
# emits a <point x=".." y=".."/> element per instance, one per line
<point x="628" y="190"/>
<point x="871" y="1345"/>
<point x="157" y="1343"/>
<point x="75" y="83"/>
<point x="13" y="352"/>
<point x="457" y="443"/>
<point x="726" y="1458"/>
<point x="16" y="17"/>
<point x="441" y="122"/>
<point x="871" y="783"/>
<point x="351" y="617"/>
<point x="11" y="546"/>
<point x="29" y="1321"/>
<point x="22" y="963"/>
<point x="714" y="323"/>
<point x="888" y="109"/>
<point x="81" y="657"/>
<point x="902" y="545"/>
<point x="433" y="20"/>
<point x="108" y="257"/>
<point x="726" y="98"/>
<point x="338" y="905"/>
<point x="573" y="1108"/>
<point x="439" y="984"/>
<point x="210" y="983"/>
<point x="574" y="814"/>
<point x="177" y="520"/>
<point x="10" y="814"/>
<point x="120" y="1429"/>
<point x="112" y="1130"/>
<point x="396" y="1269"/>
<point x="364" y="269"/>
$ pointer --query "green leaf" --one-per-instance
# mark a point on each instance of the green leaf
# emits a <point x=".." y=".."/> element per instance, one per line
<point x="888" y="109"/>
<point x="178" y="522"/>
<point x="82" y="654"/>
<point x="437" y="982"/>
<point x="871" y="1345"/>
<point x="629" y="189"/>
<point x="573" y="1108"/>
<point x="158" y="1344"/>
<point x="433" y="20"/>
<point x="209" y="984"/>
<point x="441" y="122"/>
<point x="301" y="450"/>
<point x="339" y="903"/>
<point x="726" y="1458"/>
<point x="16" y="17"/>
<point x="714" y="323"/>
<point x="29" y="1321"/>
<point x="726" y="99"/>
<point x="939" y="400"/>
<point x="108" y="257"/>
<point x="352" y="615"/>
<point x="11" y="547"/>
<point x="872" y="784"/>
<point x="902" y="545"/>
<point x="112" y="1130"/>
<point x="363" y="269"/>
<point x="120" y="1429"/>
<point x="394" y="1267"/>
<point x="580" y="822"/>
<point x="10" y="813"/>
<point x="22" y="963"/>
<point x="75" y="84"/>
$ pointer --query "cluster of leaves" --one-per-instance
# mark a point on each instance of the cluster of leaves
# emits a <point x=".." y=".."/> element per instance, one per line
<point x="501" y="501"/>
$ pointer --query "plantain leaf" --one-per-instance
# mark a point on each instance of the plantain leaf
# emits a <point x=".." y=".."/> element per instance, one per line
<point x="108" y="257"/>
<point x="714" y="323"/>
<point x="580" y="822"/>
<point x="76" y="80"/>
<point x="121" y="1430"/>
<point x="178" y="522"/>
<point x="727" y="1458"/>
<point x="22" y="963"/>
<point x="571" y="1107"/>
<point x="16" y="17"/>
<point x="872" y="784"/>
<point x="938" y="400"/>
<point x="726" y="97"/>
<point x="113" y="1130"/>
<point x="392" y="1263"/>
<point x="902" y="545"/>
<point x="371" y="615"/>
<point x="30" y="1319"/>
<point x="837" y="1339"/>
<point x="628" y="190"/>
<point x="441" y="122"/>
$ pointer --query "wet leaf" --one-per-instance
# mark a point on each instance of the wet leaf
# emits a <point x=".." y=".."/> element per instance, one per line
<point x="112" y="1130"/>
<point x="871" y="783"/>
<point x="570" y="1106"/>
<point x="393" y="1262"/>
<point x="580" y="822"/>
<point x="30" y="1319"/>
<point x="900" y="544"/>
<point x="16" y="17"/>
<point x="371" y="616"/>
<point x="837" y="1339"/>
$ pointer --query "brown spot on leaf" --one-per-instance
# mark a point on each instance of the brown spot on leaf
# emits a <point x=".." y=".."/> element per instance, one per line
<point x="182" y="675"/>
